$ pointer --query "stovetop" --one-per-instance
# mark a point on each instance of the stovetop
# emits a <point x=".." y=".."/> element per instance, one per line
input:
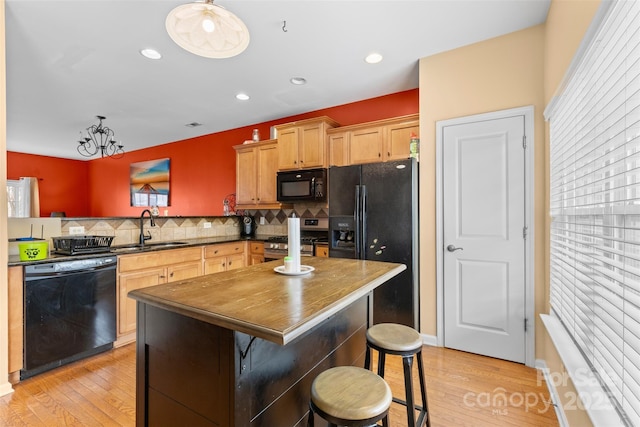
<point x="303" y="239"/>
<point x="311" y="230"/>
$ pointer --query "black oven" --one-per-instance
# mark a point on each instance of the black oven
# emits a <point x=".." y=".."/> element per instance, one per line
<point x="302" y="186"/>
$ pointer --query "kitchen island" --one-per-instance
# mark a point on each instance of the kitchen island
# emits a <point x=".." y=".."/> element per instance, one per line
<point x="241" y="348"/>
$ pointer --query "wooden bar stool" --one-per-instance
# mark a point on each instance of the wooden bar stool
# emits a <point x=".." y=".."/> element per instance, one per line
<point x="400" y="340"/>
<point x="349" y="396"/>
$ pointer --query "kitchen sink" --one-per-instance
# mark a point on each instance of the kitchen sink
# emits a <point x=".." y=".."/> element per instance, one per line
<point x="138" y="247"/>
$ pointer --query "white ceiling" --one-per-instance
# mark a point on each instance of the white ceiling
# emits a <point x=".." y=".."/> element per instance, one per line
<point x="70" y="60"/>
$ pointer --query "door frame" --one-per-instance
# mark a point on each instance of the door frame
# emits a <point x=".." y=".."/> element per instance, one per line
<point x="528" y="113"/>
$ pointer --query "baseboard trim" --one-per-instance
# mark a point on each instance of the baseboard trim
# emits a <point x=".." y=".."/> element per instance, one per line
<point x="541" y="366"/>
<point x="431" y="340"/>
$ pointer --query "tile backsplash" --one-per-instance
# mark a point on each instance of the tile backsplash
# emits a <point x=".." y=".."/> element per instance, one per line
<point x="126" y="230"/>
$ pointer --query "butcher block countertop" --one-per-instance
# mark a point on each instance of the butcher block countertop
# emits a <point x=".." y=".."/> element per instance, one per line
<point x="260" y="302"/>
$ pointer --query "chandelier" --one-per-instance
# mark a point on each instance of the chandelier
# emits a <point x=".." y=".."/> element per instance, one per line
<point x="208" y="30"/>
<point x="99" y="139"/>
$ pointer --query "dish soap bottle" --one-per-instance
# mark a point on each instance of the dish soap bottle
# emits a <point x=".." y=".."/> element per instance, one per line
<point x="414" y="146"/>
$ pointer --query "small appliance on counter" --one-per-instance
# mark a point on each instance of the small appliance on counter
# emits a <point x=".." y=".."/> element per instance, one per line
<point x="248" y="226"/>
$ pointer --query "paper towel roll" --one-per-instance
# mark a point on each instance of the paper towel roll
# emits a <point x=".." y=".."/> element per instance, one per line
<point x="293" y="225"/>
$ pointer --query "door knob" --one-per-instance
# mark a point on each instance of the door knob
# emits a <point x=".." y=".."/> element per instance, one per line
<point x="452" y="248"/>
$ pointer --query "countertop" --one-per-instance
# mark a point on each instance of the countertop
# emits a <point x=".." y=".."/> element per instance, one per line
<point x="14" y="260"/>
<point x="260" y="302"/>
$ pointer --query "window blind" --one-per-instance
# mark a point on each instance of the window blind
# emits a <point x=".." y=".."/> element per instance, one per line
<point x="595" y="208"/>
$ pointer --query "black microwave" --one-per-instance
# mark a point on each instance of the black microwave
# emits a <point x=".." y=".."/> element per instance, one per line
<point x="302" y="186"/>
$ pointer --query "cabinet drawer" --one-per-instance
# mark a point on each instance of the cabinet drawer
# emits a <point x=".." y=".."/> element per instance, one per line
<point x="256" y="247"/>
<point x="222" y="249"/>
<point x="157" y="259"/>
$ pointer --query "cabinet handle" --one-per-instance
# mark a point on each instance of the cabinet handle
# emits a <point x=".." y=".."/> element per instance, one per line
<point x="379" y="155"/>
<point x="388" y="154"/>
<point x="215" y="252"/>
<point x="171" y="275"/>
<point x="223" y="264"/>
<point x="162" y="276"/>
<point x="230" y="262"/>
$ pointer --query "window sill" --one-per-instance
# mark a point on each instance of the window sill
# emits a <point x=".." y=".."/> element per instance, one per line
<point x="591" y="396"/>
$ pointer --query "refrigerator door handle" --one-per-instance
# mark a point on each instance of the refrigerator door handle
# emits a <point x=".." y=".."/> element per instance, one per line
<point x="356" y="218"/>
<point x="363" y="222"/>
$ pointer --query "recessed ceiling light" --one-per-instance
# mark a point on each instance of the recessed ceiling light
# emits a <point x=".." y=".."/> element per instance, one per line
<point x="242" y="96"/>
<point x="298" y="80"/>
<point x="373" y="58"/>
<point x="150" y="53"/>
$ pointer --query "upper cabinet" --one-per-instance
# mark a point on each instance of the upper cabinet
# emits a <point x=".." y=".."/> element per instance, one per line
<point x="256" y="169"/>
<point x="371" y="142"/>
<point x="303" y="144"/>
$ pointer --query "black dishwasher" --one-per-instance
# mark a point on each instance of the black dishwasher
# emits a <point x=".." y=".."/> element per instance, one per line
<point x="69" y="312"/>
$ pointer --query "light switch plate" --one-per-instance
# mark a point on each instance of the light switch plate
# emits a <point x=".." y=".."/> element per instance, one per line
<point x="76" y="230"/>
<point x="207" y="225"/>
<point x="261" y="220"/>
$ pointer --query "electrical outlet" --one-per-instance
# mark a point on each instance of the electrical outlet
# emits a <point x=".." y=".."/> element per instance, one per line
<point x="207" y="225"/>
<point x="76" y="230"/>
<point x="261" y="220"/>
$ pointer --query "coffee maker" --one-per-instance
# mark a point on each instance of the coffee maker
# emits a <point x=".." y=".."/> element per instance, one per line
<point x="248" y="226"/>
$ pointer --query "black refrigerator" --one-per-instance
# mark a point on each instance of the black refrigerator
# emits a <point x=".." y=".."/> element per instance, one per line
<point x="373" y="215"/>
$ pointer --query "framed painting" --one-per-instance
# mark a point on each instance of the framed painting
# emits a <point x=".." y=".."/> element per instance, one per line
<point x="150" y="183"/>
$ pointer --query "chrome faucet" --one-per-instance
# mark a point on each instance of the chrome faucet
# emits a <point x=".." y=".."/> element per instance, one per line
<point x="143" y="238"/>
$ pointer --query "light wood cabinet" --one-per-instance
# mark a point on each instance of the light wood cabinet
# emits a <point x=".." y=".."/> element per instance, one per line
<point x="398" y="135"/>
<point x="16" y="320"/>
<point x="224" y="257"/>
<point x="366" y="145"/>
<point x="338" y="148"/>
<point x="371" y="142"/>
<point x="138" y="271"/>
<point x="129" y="282"/>
<point x="303" y="144"/>
<point x="322" y="250"/>
<point x="256" y="253"/>
<point x="256" y="169"/>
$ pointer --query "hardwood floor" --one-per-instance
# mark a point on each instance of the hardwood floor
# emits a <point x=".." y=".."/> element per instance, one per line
<point x="463" y="390"/>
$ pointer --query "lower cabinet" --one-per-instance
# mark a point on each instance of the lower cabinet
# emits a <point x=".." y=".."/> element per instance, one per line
<point x="322" y="250"/>
<point x="16" y="321"/>
<point x="224" y="257"/>
<point x="138" y="271"/>
<point x="256" y="253"/>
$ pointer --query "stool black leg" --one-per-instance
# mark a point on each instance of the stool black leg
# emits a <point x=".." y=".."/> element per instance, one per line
<point x="310" y="420"/>
<point x="381" y="360"/>
<point x="385" y="421"/>
<point x="423" y="388"/>
<point x="367" y="358"/>
<point x="407" y="363"/>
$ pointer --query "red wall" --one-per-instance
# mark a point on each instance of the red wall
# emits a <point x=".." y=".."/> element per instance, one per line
<point x="63" y="183"/>
<point x="202" y="169"/>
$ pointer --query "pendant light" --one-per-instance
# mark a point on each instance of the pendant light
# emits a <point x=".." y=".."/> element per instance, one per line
<point x="208" y="30"/>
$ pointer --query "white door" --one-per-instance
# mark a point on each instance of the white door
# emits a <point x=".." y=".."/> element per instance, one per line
<point x="483" y="178"/>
